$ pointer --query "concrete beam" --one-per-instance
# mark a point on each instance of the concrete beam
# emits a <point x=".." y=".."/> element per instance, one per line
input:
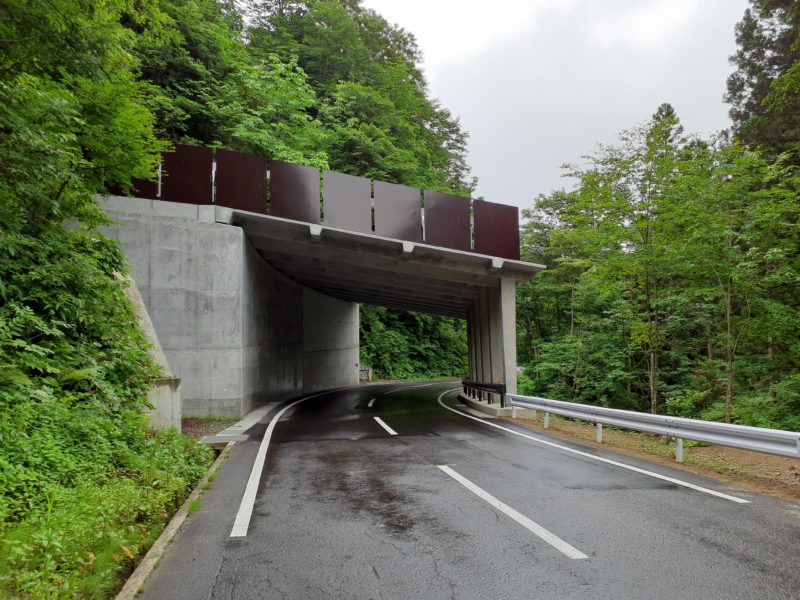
<point x="316" y="267"/>
<point x="303" y="249"/>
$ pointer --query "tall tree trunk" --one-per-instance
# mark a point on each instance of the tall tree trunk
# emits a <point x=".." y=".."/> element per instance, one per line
<point x="773" y="394"/>
<point x="572" y="310"/>
<point x="653" y="364"/>
<point x="709" y="343"/>
<point x="729" y="350"/>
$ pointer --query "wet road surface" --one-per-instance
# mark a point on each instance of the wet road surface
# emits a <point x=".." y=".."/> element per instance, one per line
<point x="451" y="507"/>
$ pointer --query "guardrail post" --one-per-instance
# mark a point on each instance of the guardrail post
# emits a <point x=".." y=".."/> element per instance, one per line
<point x="678" y="449"/>
<point x="546" y="420"/>
<point x="598" y="432"/>
<point x="513" y="412"/>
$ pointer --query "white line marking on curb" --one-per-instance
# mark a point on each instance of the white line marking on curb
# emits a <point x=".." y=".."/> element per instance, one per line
<point x="536" y="529"/>
<point x="242" y="522"/>
<point x="593" y="457"/>
<point x="385" y="426"/>
<point x="371" y="402"/>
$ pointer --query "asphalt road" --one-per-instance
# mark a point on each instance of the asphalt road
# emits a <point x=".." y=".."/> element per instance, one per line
<point x="451" y="507"/>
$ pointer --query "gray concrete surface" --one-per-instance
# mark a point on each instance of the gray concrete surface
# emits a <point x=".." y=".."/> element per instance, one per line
<point x="330" y="342"/>
<point x="231" y="326"/>
<point x="347" y="511"/>
<point x="164" y="396"/>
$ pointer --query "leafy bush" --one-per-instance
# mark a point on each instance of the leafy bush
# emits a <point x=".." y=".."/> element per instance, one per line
<point x="408" y="345"/>
<point x="85" y="486"/>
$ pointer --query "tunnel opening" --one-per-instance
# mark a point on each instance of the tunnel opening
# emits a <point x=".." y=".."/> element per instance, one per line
<point x="400" y="345"/>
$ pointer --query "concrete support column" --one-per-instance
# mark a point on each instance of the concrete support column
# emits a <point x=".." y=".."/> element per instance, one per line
<point x="485" y="333"/>
<point x="508" y="316"/>
<point x="496" y="335"/>
<point x="496" y="345"/>
<point x="471" y="344"/>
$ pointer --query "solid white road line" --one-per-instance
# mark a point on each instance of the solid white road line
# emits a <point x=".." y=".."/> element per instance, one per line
<point x="536" y="529"/>
<point x="371" y="402"/>
<point x="593" y="457"/>
<point x="242" y="522"/>
<point x="385" y="426"/>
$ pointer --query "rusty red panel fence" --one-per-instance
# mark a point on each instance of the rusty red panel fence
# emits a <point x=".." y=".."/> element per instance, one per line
<point x="199" y="175"/>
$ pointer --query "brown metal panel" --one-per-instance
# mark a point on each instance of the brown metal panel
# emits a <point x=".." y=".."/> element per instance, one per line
<point x="144" y="189"/>
<point x="397" y="212"/>
<point x="294" y="191"/>
<point x="241" y="181"/>
<point x="347" y="201"/>
<point x="140" y="188"/>
<point x="186" y="175"/>
<point x="447" y="220"/>
<point x="496" y="229"/>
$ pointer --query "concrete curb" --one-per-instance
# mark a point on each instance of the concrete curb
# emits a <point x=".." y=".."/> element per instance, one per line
<point x="493" y="410"/>
<point x="150" y="561"/>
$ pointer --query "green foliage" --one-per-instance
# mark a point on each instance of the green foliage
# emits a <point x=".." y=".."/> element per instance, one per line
<point x="84" y="484"/>
<point x="763" y="91"/>
<point x="673" y="281"/>
<point x="408" y="345"/>
<point x="265" y="110"/>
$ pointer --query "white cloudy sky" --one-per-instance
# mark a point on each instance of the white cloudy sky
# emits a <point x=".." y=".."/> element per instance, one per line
<point x="538" y="83"/>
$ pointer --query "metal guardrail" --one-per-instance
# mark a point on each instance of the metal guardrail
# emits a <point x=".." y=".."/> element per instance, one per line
<point x="476" y="389"/>
<point x="770" y="441"/>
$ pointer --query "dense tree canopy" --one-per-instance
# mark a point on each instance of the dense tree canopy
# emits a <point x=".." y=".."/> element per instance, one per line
<point x="764" y="91"/>
<point x="673" y="284"/>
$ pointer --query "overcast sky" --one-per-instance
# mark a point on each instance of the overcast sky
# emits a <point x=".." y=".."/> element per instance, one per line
<point x="538" y="83"/>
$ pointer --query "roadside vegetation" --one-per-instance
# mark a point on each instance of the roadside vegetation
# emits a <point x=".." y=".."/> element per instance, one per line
<point x="673" y="281"/>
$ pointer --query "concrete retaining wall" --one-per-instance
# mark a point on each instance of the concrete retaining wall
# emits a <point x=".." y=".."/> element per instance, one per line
<point x="233" y="329"/>
<point x="330" y="342"/>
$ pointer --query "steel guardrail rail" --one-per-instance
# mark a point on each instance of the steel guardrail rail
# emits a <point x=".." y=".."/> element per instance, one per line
<point x="470" y="387"/>
<point x="759" y="439"/>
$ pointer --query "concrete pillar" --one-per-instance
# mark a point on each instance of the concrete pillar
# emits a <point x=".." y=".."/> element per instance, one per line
<point x="485" y="344"/>
<point x="508" y="315"/>
<point x="496" y="343"/>
<point x="471" y="344"/>
<point x="496" y="335"/>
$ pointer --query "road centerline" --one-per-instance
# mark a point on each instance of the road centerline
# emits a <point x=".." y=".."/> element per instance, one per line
<point x="385" y="426"/>
<point x="608" y="461"/>
<point x="536" y="529"/>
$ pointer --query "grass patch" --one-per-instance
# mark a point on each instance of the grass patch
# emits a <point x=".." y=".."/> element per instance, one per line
<point x="194" y="505"/>
<point x="81" y="537"/>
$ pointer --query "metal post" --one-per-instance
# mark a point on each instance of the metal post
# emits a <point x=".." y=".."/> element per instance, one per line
<point x="598" y="432"/>
<point x="546" y="420"/>
<point x="678" y="449"/>
<point x="513" y="412"/>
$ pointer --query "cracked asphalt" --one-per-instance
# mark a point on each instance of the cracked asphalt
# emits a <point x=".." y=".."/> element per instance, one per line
<point x="347" y="511"/>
